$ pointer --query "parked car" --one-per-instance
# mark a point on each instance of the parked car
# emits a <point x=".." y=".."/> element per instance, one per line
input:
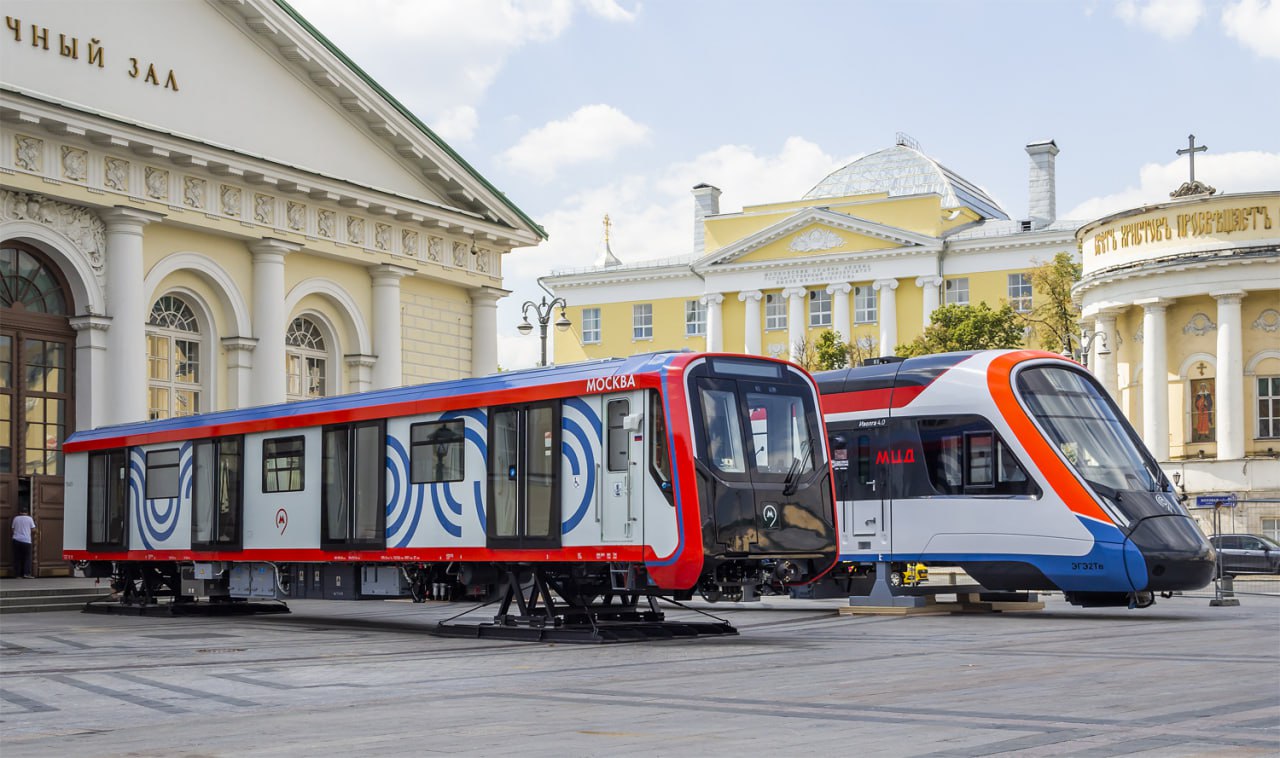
<point x="1247" y="554"/>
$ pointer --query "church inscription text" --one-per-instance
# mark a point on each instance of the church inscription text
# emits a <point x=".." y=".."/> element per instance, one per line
<point x="1182" y="226"/>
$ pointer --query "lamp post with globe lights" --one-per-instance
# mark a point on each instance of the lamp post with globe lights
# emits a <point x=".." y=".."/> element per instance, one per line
<point x="542" y="312"/>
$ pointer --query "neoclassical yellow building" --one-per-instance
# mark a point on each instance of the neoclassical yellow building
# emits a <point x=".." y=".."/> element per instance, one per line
<point x="870" y="252"/>
<point x="1185" y="296"/>
<point x="206" y="205"/>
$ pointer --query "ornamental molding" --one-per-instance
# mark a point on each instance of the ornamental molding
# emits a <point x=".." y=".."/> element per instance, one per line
<point x="79" y="225"/>
<point x="1199" y="325"/>
<point x="1268" y="320"/>
<point x="815" y="240"/>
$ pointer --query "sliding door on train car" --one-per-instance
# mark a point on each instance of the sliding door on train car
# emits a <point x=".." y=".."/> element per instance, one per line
<point x="860" y="457"/>
<point x="623" y="473"/>
<point x="523" y="508"/>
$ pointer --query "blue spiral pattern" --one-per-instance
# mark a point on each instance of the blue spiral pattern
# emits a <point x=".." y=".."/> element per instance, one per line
<point x="157" y="519"/>
<point x="580" y="435"/>
<point x="406" y="501"/>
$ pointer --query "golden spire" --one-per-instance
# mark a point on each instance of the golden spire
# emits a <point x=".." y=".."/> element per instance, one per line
<point x="606" y="229"/>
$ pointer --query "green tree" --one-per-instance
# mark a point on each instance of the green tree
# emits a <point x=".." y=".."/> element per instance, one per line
<point x="829" y="352"/>
<point x="967" y="327"/>
<point x="1055" y="318"/>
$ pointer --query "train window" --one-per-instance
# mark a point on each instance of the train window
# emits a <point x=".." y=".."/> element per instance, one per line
<point x="864" y="459"/>
<point x="778" y="433"/>
<point x="723" y="429"/>
<point x="616" y="413"/>
<point x="352" y="484"/>
<point x="963" y="455"/>
<point x="436" y="452"/>
<point x="217" y="502"/>
<point x="108" y="502"/>
<point x="162" y="474"/>
<point x="979" y="460"/>
<point x="283" y="464"/>
<point x="659" y="455"/>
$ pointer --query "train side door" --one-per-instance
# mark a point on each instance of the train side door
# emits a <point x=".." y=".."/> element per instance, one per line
<point x="523" y="508"/>
<point x="622" y="493"/>
<point x="863" y="503"/>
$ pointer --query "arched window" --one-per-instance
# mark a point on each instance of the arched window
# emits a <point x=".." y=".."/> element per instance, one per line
<point x="26" y="283"/>
<point x="305" y="359"/>
<point x="173" y="359"/>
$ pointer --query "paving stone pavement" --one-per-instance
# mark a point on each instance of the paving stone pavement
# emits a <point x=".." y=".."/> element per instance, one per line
<point x="338" y="678"/>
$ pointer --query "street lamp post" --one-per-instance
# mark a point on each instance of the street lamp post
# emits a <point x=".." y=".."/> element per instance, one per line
<point x="1086" y="346"/>
<point x="542" y="311"/>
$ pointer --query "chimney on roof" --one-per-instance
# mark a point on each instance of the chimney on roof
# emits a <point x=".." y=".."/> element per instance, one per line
<point x="1043" y="205"/>
<point x="706" y="202"/>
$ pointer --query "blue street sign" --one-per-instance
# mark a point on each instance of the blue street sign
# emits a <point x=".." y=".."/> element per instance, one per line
<point x="1215" y="501"/>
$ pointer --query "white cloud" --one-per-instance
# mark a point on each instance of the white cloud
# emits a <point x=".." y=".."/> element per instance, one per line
<point x="610" y="10"/>
<point x="591" y="133"/>
<point x="462" y="44"/>
<point x="456" y="124"/>
<point x="1254" y="24"/>
<point x="1229" y="173"/>
<point x="1171" y="19"/>
<point x="652" y="219"/>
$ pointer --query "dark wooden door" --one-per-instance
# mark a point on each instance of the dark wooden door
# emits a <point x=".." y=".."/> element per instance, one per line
<point x="37" y="400"/>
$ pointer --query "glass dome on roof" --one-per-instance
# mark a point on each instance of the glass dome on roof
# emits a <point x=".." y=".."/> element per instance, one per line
<point x="902" y="170"/>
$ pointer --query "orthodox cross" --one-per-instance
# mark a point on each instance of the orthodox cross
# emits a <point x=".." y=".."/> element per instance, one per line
<point x="1191" y="151"/>
<point x="607" y="224"/>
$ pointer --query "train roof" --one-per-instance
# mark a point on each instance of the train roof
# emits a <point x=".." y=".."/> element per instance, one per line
<point x="336" y="405"/>
<point x="887" y="374"/>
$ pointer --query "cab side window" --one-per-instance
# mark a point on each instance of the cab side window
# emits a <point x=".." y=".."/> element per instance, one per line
<point x="964" y="455"/>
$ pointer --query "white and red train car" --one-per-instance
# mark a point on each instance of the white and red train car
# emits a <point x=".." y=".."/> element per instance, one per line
<point x="1013" y="465"/>
<point x="661" y="474"/>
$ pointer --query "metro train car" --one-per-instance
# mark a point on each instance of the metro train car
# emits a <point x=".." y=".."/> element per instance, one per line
<point x="657" y="475"/>
<point x="1015" y="466"/>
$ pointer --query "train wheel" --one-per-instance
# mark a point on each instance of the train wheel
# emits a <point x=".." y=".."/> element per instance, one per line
<point x="895" y="579"/>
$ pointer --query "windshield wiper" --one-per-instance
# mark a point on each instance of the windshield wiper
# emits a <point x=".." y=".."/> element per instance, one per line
<point x="789" y="488"/>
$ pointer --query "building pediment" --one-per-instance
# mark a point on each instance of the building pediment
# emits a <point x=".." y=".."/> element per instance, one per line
<point x="248" y="73"/>
<point x="813" y="233"/>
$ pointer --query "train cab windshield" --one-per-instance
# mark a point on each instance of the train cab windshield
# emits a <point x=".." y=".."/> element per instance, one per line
<point x="1087" y="427"/>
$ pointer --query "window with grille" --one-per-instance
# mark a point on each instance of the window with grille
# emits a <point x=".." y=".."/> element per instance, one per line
<point x="819" y="308"/>
<point x="775" y="311"/>
<point x="642" y="321"/>
<point x="695" y="318"/>
<point x="957" y="291"/>
<point x="306" y="360"/>
<point x="590" y="325"/>
<point x="864" y="304"/>
<point x="174" y="378"/>
<point x="1020" y="292"/>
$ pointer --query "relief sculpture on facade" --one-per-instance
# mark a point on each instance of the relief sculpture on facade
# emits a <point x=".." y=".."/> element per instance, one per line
<point x="79" y="225"/>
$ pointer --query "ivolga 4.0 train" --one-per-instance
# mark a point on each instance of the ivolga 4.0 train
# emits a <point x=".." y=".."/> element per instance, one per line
<point x="1013" y="465"/>
<point x="570" y="489"/>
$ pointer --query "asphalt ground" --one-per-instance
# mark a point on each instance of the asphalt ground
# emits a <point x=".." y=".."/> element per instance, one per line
<point x="340" y="678"/>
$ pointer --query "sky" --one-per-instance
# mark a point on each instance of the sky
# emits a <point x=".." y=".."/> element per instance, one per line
<point x="578" y="108"/>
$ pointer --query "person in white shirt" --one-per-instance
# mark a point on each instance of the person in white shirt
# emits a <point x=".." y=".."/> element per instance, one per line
<point x="23" y="526"/>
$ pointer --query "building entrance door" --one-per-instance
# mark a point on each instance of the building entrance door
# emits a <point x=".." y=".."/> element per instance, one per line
<point x="37" y="400"/>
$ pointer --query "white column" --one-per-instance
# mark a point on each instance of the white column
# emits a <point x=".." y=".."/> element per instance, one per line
<point x="387" y="338"/>
<point x="795" y="320"/>
<point x="888" y="315"/>
<point x="1105" y="365"/>
<point x="240" y="370"/>
<point x="715" y="335"/>
<point x="269" y="319"/>
<point x="929" y="286"/>
<point x="1230" y="384"/>
<point x="484" y="329"/>
<point x="840" y="309"/>
<point x="92" y="368"/>
<point x="126" y="377"/>
<point x="1155" y="378"/>
<point x="751" y="322"/>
